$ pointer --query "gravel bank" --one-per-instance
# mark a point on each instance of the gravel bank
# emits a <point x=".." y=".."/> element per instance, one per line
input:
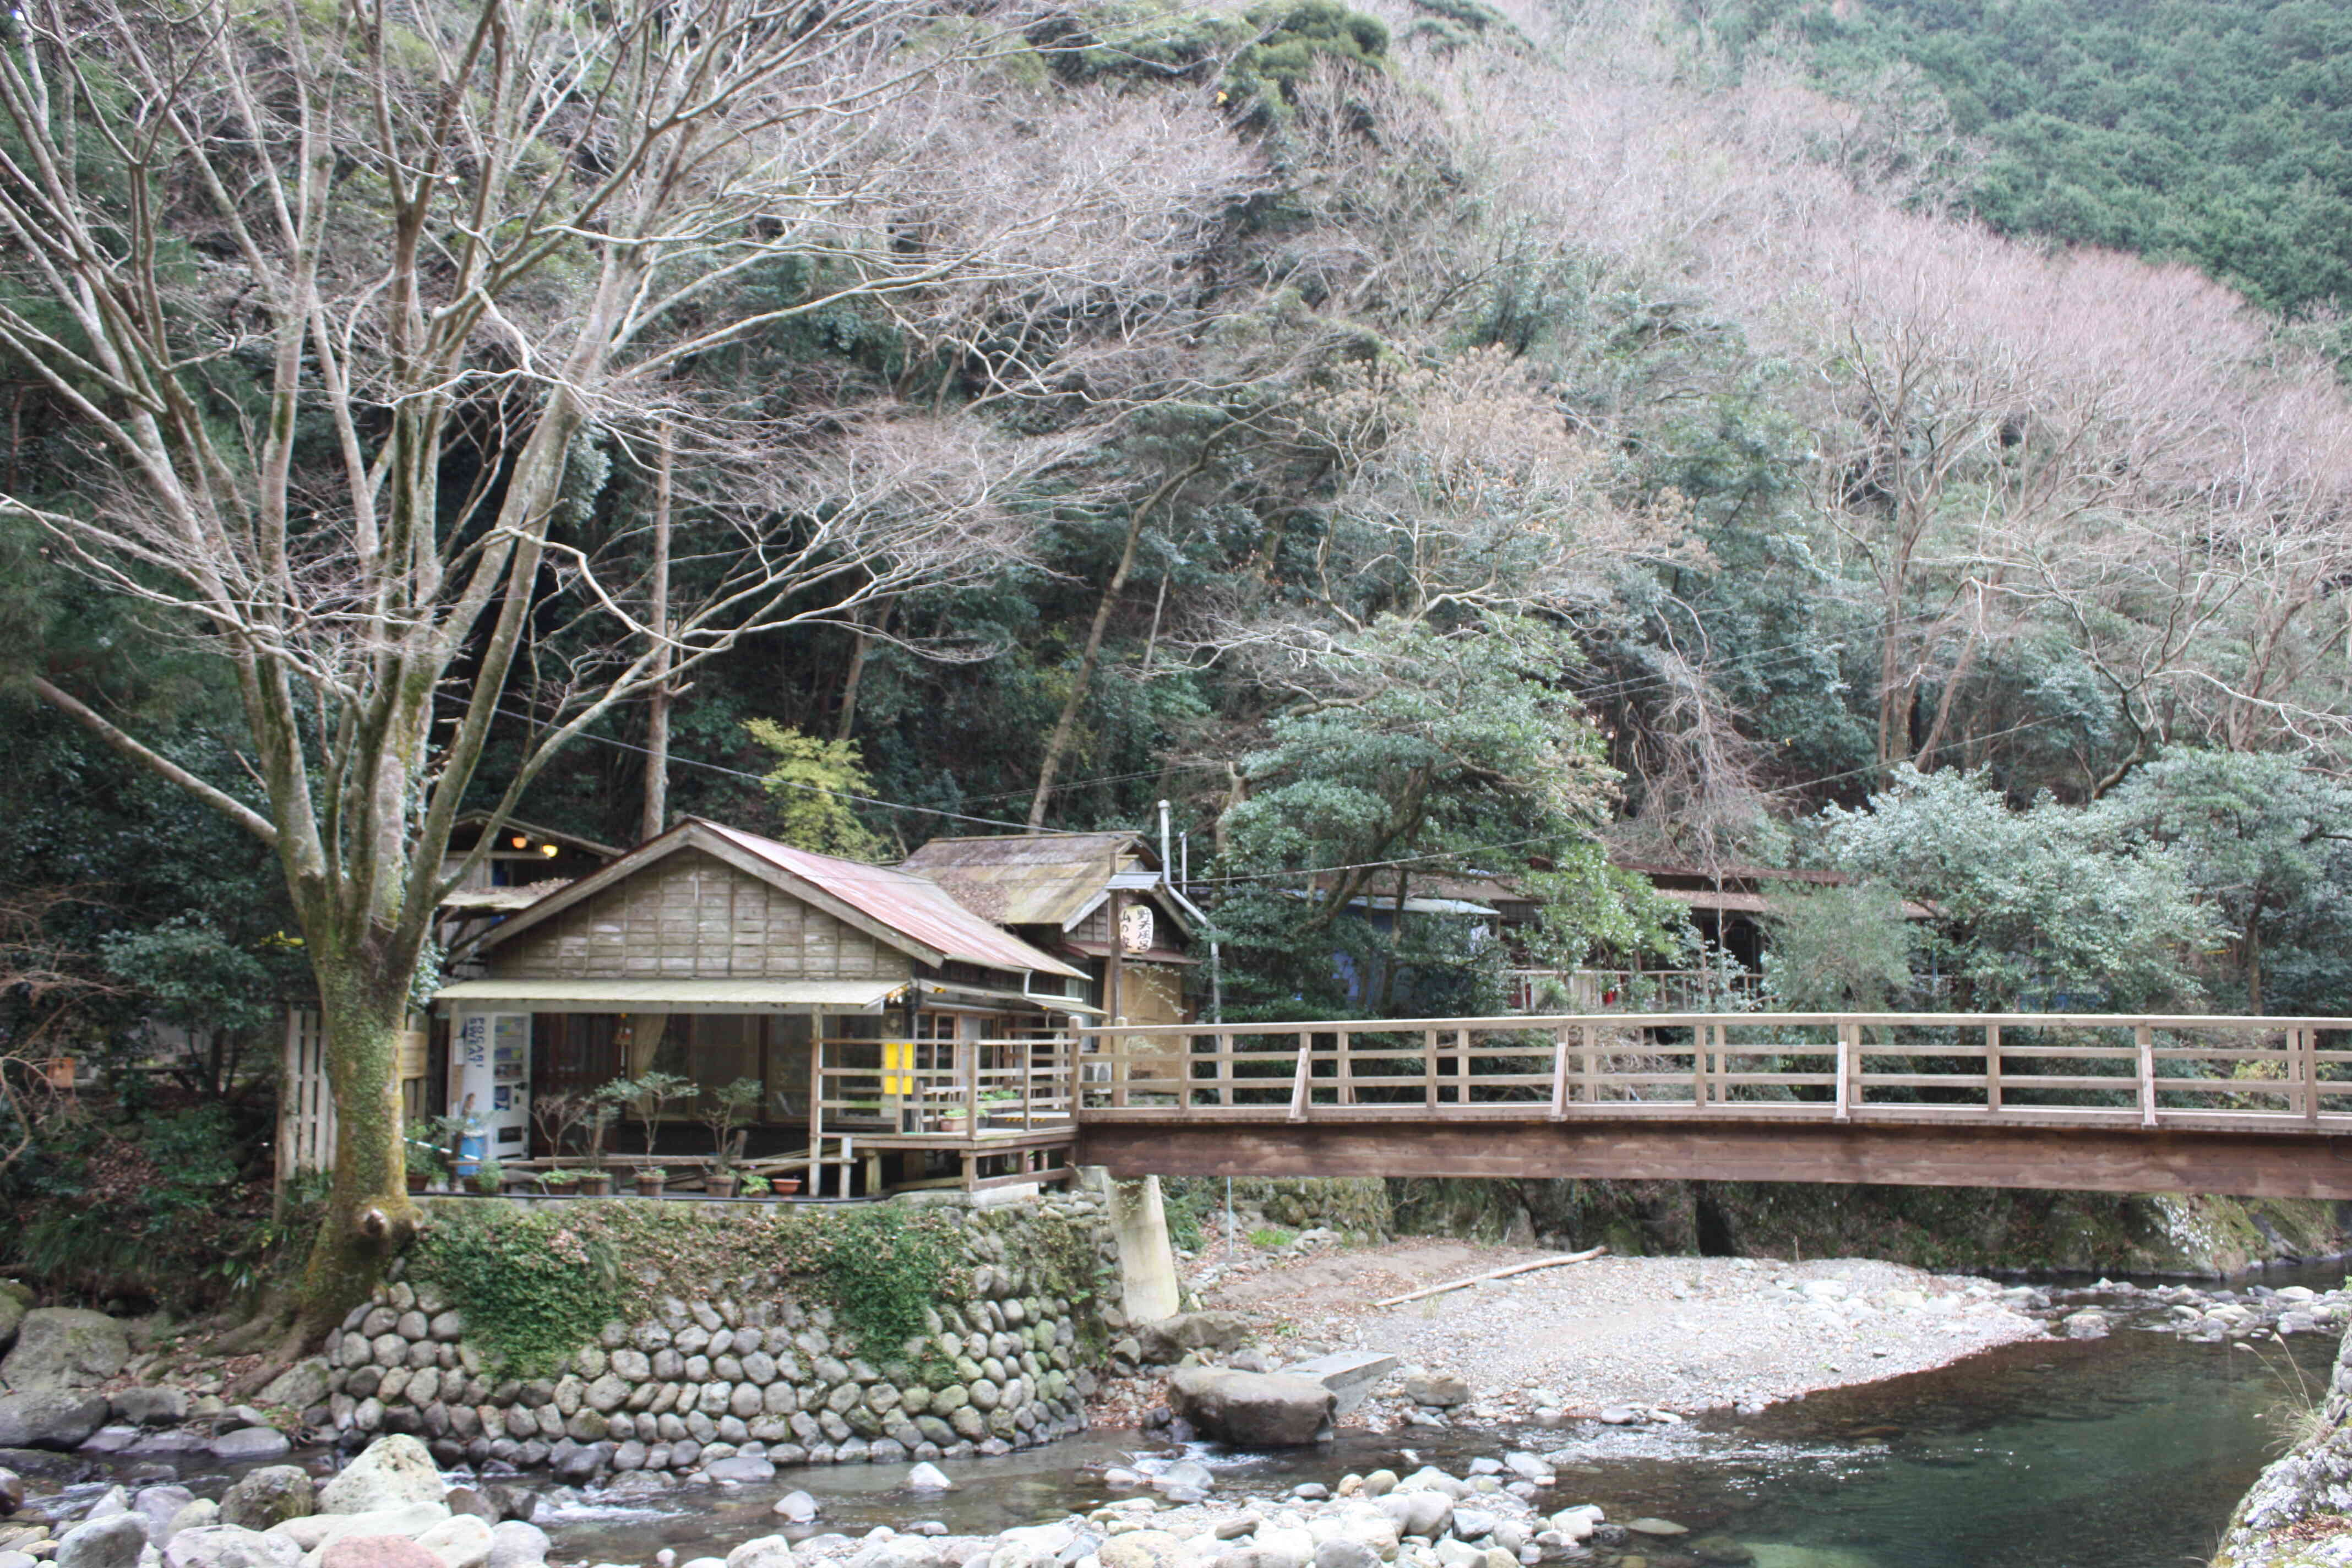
<point x="1665" y="1333"/>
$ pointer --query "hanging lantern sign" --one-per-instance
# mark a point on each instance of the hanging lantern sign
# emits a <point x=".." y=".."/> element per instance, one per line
<point x="1135" y="927"/>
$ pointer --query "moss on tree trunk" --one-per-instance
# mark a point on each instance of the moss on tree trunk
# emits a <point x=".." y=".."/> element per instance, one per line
<point x="368" y="1215"/>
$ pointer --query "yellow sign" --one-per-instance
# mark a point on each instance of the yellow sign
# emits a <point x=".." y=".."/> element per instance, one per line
<point x="897" y="1066"/>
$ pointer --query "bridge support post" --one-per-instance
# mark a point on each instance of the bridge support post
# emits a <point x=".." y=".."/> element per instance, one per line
<point x="1147" y="1260"/>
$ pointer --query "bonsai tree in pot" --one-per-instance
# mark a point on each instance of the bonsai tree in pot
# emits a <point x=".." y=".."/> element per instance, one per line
<point x="651" y="1179"/>
<point x="558" y="1116"/>
<point x="645" y="1098"/>
<point x="489" y="1177"/>
<point x="561" y="1183"/>
<point x="422" y="1158"/>
<point x="724" y="1111"/>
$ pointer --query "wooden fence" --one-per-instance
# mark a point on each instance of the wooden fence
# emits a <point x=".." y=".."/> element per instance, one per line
<point x="2143" y="1070"/>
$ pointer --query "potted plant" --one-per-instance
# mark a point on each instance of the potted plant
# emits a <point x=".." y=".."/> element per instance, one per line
<point x="558" y="1116"/>
<point x="423" y="1162"/>
<point x="645" y="1098"/>
<point x="596" y="1183"/>
<point x="651" y="1179"/>
<point x="724" y="1109"/>
<point x="561" y="1182"/>
<point x="754" y="1185"/>
<point x="489" y="1177"/>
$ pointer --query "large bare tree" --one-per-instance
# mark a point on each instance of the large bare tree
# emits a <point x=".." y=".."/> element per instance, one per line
<point x="344" y="301"/>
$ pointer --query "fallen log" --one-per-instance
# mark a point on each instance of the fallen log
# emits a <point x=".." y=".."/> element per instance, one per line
<point x="1585" y="1257"/>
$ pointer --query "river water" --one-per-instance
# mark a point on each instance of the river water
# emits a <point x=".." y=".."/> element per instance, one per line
<point x="2127" y="1452"/>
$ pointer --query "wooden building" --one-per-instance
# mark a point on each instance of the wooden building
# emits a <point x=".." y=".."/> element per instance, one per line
<point x="879" y="1016"/>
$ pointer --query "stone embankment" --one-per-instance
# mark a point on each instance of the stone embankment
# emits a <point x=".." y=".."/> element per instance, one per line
<point x="2299" y="1511"/>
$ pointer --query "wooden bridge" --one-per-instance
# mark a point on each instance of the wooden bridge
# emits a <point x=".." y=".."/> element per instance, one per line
<point x="2251" y="1106"/>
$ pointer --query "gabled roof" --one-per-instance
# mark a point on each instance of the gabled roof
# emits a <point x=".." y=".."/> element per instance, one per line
<point x="478" y="820"/>
<point x="911" y="913"/>
<point x="1032" y="878"/>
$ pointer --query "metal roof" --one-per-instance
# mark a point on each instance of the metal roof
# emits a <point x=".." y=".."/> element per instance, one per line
<point x="917" y="915"/>
<point x="905" y="901"/>
<point x="1030" y="878"/>
<point x="715" y="995"/>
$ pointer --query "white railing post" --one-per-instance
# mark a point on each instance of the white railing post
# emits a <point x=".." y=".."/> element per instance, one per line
<point x="2145" y="1037"/>
<point x="1300" y="1080"/>
<point x="1845" y="1070"/>
<point x="1559" y="1073"/>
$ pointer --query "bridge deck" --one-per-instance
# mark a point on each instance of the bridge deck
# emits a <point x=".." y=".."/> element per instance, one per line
<point x="2134" y="1103"/>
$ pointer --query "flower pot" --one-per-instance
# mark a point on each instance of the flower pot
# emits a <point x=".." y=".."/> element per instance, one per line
<point x="419" y="1180"/>
<point x="786" y="1186"/>
<point x="720" y="1183"/>
<point x="596" y="1184"/>
<point x="651" y="1186"/>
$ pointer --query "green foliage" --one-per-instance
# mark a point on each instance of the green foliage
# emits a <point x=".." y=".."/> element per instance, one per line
<point x="1838" y="949"/>
<point x="882" y="1267"/>
<point x="812" y="782"/>
<point x="1271" y="1236"/>
<point x="533" y="1286"/>
<point x="1185" y="1207"/>
<point x="2048" y="909"/>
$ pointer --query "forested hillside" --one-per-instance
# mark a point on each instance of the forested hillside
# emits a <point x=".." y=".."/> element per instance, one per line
<point x="2210" y="132"/>
<point x="1410" y="437"/>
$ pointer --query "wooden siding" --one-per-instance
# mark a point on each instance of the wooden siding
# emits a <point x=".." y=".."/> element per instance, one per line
<point x="690" y="916"/>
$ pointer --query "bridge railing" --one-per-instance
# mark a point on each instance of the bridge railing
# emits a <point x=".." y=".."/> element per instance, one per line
<point x="2152" y="1070"/>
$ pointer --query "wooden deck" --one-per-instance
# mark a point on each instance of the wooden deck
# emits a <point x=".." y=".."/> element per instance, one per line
<point x="2258" y="1106"/>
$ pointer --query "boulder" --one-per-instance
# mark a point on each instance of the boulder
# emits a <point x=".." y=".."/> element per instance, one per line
<point x="740" y="1468"/>
<point x="1426" y="1512"/>
<point x="514" y="1544"/>
<point x="64" y="1347"/>
<point x="250" y="1443"/>
<point x="1344" y="1551"/>
<point x="15" y="1302"/>
<point x="1165" y="1341"/>
<point x="269" y="1495"/>
<point x="796" y="1506"/>
<point x="325" y="1529"/>
<point x="395" y="1470"/>
<point x="114" y="1542"/>
<point x="300" y="1386"/>
<point x="159" y="1506"/>
<point x="461" y="1540"/>
<point x="376" y="1552"/>
<point x="1252" y="1409"/>
<point x="761" y="1552"/>
<point x="150" y="1407"/>
<point x="202" y="1514"/>
<point x="1352" y="1375"/>
<point x="1441" y="1390"/>
<point x="929" y="1477"/>
<point x="230" y="1546"/>
<point x="50" y="1418"/>
<point x="12" y="1492"/>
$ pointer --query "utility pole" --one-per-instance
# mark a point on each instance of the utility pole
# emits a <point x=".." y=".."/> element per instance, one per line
<point x="657" y="803"/>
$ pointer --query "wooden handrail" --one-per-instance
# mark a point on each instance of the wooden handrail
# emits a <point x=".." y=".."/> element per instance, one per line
<point x="2154" y="1070"/>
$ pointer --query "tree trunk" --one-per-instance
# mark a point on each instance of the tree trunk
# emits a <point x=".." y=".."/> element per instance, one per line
<point x="656" y="814"/>
<point x="860" y="650"/>
<point x="1059" y="743"/>
<point x="368" y="1216"/>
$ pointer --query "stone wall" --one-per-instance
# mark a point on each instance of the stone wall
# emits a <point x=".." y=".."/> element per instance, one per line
<point x="2299" y="1512"/>
<point x="728" y="1362"/>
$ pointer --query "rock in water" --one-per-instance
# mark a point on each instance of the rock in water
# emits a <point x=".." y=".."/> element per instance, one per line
<point x="376" y="1552"/>
<point x="796" y="1506"/>
<point x="1721" y="1549"/>
<point x="393" y="1471"/>
<point x="929" y="1477"/>
<point x="15" y="1302"/>
<point x="1252" y="1409"/>
<point x="271" y="1495"/>
<point x="65" y="1347"/>
<point x="514" y="1544"/>
<point x="12" y="1492"/>
<point x="250" y="1443"/>
<point x="761" y="1552"/>
<point x="230" y="1546"/>
<point x="50" y="1417"/>
<point x="1143" y="1548"/>
<point x="111" y="1543"/>
<point x="150" y="1407"/>
<point x="740" y="1468"/>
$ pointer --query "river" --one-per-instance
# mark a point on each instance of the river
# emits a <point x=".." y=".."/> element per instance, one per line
<point x="2127" y="1452"/>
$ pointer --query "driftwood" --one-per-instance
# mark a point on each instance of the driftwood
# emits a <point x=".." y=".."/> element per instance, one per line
<point x="1585" y="1257"/>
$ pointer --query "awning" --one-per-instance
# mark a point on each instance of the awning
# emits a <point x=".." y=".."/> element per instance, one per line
<point x="672" y="995"/>
<point x="946" y="994"/>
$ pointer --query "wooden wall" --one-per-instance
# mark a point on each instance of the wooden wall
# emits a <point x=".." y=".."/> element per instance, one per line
<point x="691" y="916"/>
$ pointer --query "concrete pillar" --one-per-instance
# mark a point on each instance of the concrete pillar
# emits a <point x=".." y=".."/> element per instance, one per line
<point x="1147" y="1262"/>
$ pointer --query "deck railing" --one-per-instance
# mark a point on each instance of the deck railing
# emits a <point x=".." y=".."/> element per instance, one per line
<point x="952" y="1089"/>
<point x="2148" y="1070"/>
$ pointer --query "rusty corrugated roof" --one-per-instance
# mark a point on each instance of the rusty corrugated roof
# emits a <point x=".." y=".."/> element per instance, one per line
<point x="1027" y="878"/>
<point x="905" y="901"/>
